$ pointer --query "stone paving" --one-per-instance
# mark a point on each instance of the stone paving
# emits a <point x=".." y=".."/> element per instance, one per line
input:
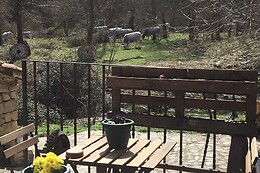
<point x="193" y="149"/>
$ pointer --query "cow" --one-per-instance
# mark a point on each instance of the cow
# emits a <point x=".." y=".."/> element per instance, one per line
<point x="8" y="35"/>
<point x="121" y="32"/>
<point x="132" y="37"/>
<point x="117" y="33"/>
<point x="151" y="31"/>
<point x="27" y="34"/>
<point x="100" y="28"/>
<point x="113" y="31"/>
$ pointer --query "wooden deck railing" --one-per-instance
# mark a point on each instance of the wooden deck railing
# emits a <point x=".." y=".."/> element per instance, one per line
<point x="191" y="100"/>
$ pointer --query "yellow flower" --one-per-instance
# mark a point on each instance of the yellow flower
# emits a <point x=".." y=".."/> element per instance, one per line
<point x="47" y="164"/>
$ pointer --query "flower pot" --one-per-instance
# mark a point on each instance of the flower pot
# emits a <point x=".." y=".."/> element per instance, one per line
<point x="29" y="169"/>
<point x="117" y="134"/>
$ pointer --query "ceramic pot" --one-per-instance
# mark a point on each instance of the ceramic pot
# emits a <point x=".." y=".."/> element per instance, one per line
<point x="29" y="169"/>
<point x="117" y="134"/>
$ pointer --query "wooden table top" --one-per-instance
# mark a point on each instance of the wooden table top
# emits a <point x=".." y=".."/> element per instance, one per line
<point x="140" y="153"/>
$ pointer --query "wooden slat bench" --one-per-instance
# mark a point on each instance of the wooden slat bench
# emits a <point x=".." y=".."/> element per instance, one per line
<point x="191" y="100"/>
<point x="28" y="139"/>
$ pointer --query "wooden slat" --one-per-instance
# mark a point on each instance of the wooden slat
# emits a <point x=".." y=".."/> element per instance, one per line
<point x="180" y="107"/>
<point x="210" y="74"/>
<point x="149" y="72"/>
<point x="248" y="168"/>
<point x="92" y="148"/>
<point x="116" y="100"/>
<point x="97" y="155"/>
<point x="159" y="155"/>
<point x="236" y="75"/>
<point x="91" y="145"/>
<point x="258" y="108"/>
<point x="237" y="154"/>
<point x="20" y="146"/>
<point x="215" y="104"/>
<point x="92" y="140"/>
<point x="254" y="150"/>
<point x="224" y="87"/>
<point x="89" y="141"/>
<point x="189" y="103"/>
<point x="144" y="154"/>
<point x="131" y="153"/>
<point x="16" y="134"/>
<point x="149" y="100"/>
<point x="195" y="124"/>
<point x="116" y="153"/>
<point x="251" y="108"/>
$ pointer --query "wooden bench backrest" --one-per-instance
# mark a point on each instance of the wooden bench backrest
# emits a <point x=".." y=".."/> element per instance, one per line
<point x="19" y="133"/>
<point x="182" y="90"/>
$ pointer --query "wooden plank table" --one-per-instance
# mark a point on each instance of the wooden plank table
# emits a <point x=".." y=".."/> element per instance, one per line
<point x="143" y="155"/>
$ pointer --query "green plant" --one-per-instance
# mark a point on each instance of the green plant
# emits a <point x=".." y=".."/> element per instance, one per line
<point x="117" y="119"/>
<point x="49" y="164"/>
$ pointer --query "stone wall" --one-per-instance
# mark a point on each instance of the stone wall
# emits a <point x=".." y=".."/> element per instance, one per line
<point x="8" y="107"/>
<point x="10" y="76"/>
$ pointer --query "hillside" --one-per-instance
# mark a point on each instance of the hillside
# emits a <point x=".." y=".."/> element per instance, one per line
<point x="176" y="51"/>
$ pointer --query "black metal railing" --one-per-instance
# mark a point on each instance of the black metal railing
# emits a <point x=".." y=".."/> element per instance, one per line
<point x="59" y="91"/>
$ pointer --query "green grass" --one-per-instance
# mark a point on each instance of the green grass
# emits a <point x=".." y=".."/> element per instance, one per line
<point x="60" y="49"/>
<point x="151" y="51"/>
<point x="67" y="128"/>
<point x="51" y="49"/>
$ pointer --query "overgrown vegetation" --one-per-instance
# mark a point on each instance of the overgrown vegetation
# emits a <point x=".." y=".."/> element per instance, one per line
<point x="176" y="51"/>
<point x="233" y="53"/>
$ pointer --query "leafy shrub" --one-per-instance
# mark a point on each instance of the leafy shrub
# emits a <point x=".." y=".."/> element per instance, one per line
<point x="70" y="98"/>
<point x="76" y="39"/>
<point x="41" y="111"/>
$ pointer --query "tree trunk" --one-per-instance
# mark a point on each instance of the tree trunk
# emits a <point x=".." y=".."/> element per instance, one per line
<point x="191" y="26"/>
<point x="1" y="31"/>
<point x="19" y="21"/>
<point x="66" y="28"/>
<point x="131" y="23"/>
<point x="91" y="22"/>
<point x="154" y="9"/>
<point x="164" y="27"/>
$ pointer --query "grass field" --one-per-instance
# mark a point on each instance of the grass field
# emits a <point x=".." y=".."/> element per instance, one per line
<point x="176" y="51"/>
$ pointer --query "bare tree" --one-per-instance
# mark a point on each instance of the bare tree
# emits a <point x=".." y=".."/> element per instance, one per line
<point x="18" y="16"/>
<point x="91" y="22"/>
<point x="1" y="27"/>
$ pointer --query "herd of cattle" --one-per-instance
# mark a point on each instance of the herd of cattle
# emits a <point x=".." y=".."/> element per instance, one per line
<point x="127" y="35"/>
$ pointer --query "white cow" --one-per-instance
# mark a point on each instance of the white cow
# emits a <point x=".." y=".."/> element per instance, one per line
<point x="132" y="37"/>
<point x="27" y="34"/>
<point x="8" y="35"/>
<point x="100" y="28"/>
